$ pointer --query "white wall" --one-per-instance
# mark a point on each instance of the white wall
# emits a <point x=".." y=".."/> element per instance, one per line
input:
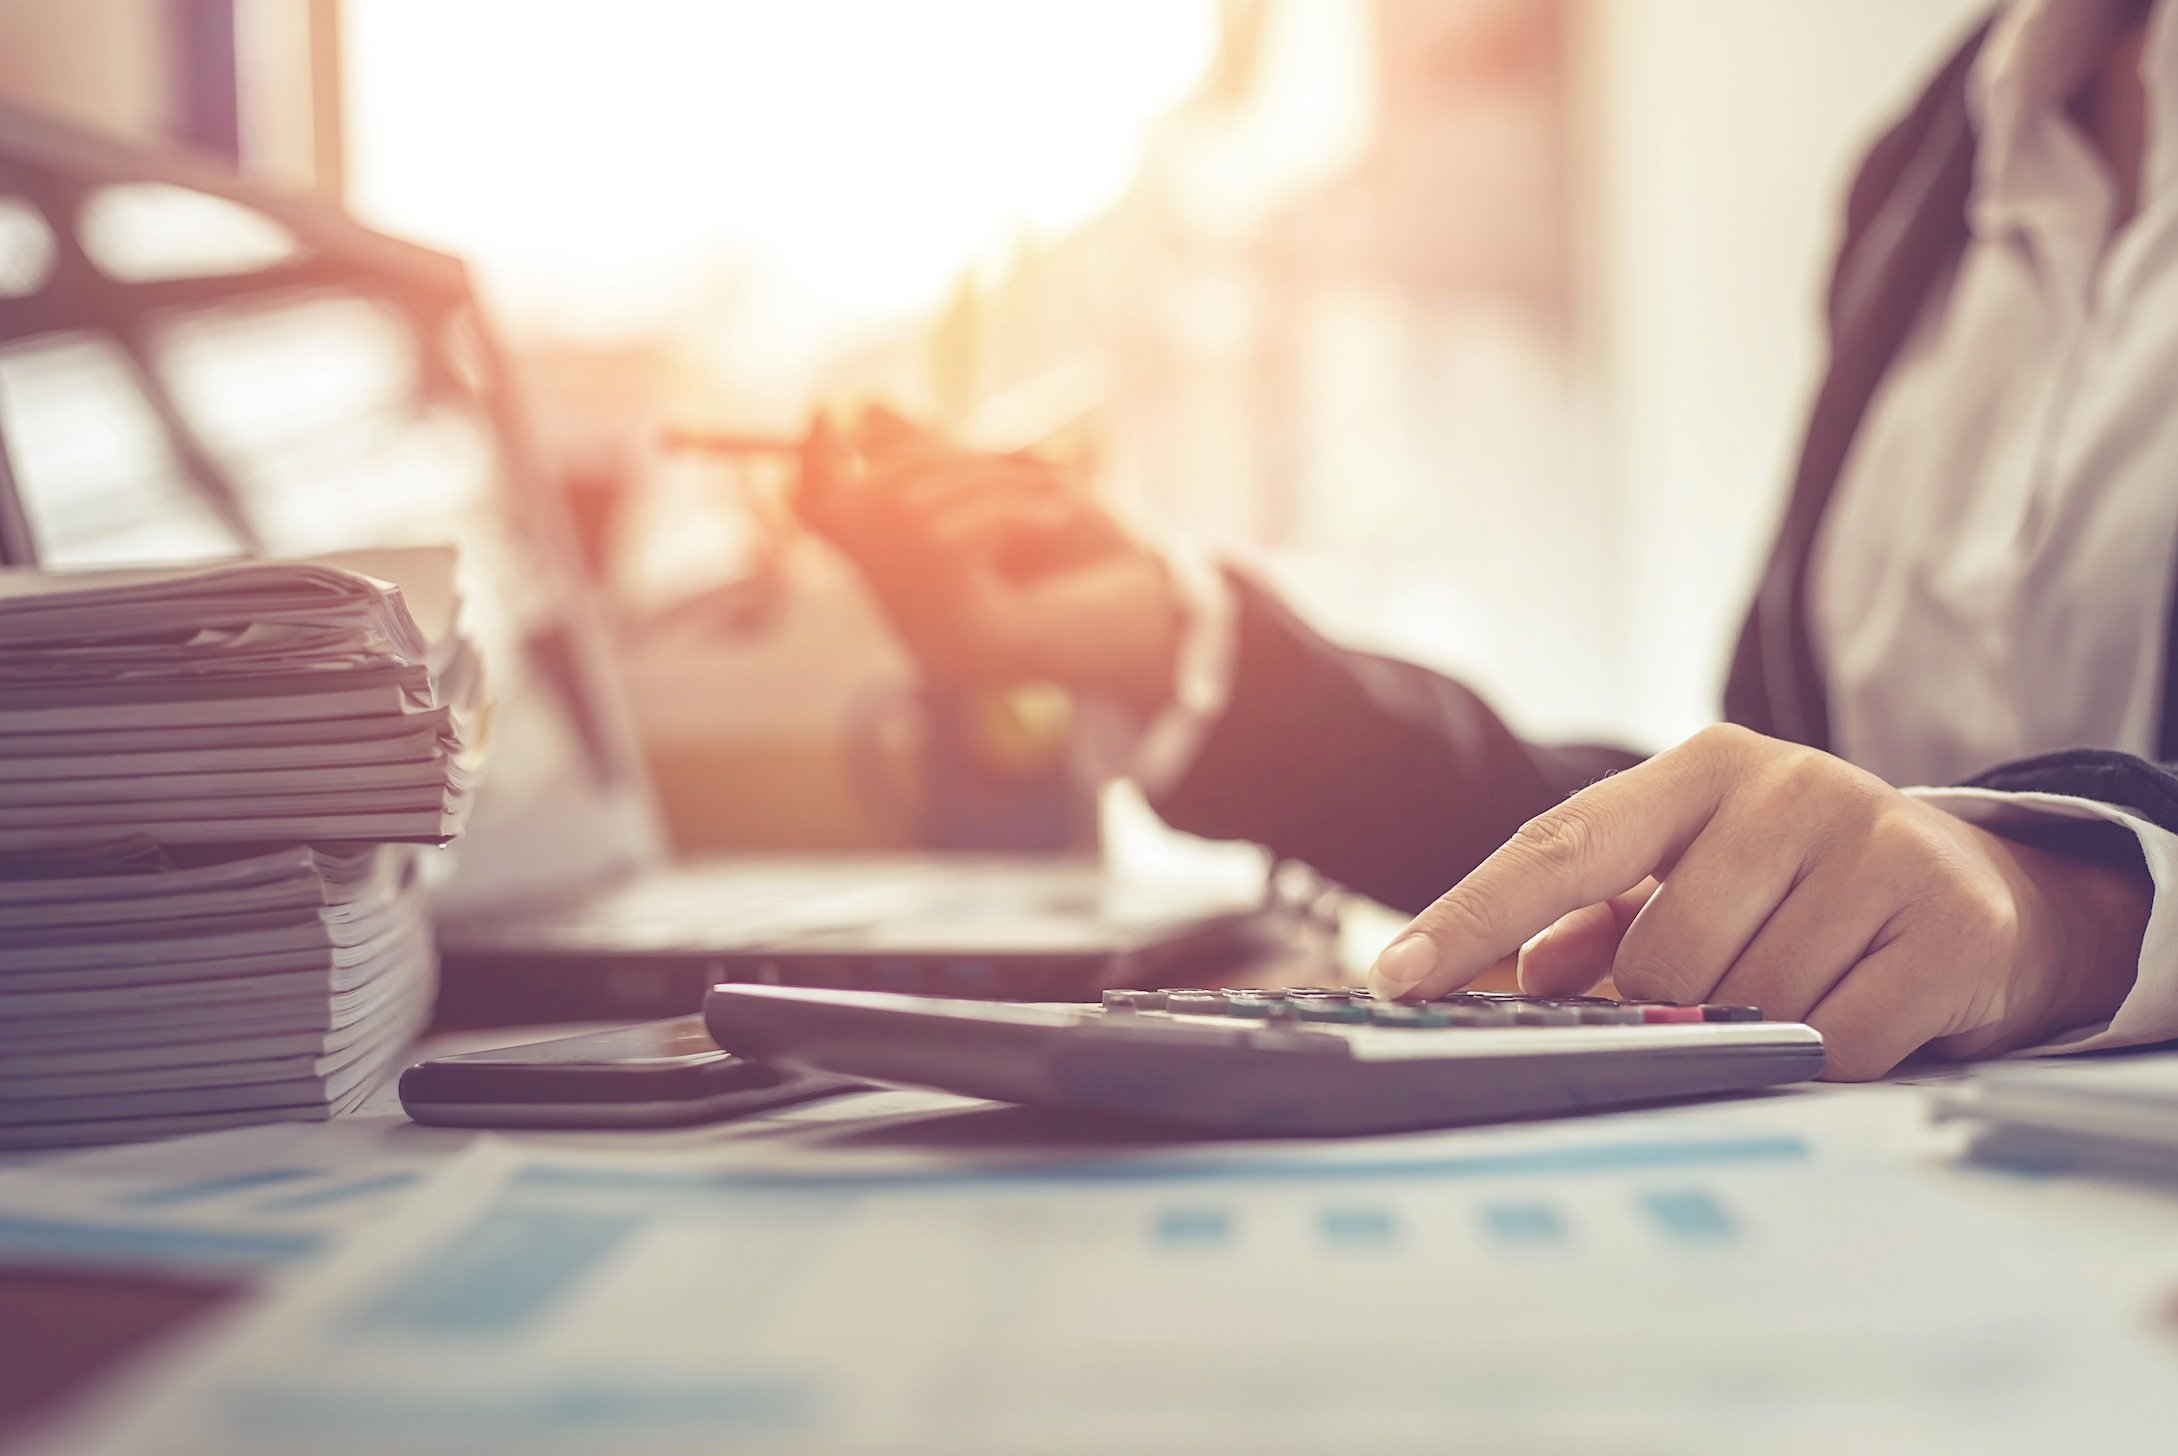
<point x="1718" y="140"/>
<point x="97" y="63"/>
<point x="108" y="65"/>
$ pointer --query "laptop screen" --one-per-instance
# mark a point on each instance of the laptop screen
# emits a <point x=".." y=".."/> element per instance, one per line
<point x="193" y="375"/>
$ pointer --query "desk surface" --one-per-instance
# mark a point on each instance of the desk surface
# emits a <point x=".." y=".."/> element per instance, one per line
<point x="59" y="1331"/>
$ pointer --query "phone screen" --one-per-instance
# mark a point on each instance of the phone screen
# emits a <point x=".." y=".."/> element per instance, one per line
<point x="680" y="1042"/>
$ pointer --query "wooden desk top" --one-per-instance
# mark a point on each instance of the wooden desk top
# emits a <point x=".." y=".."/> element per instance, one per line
<point x="61" y="1330"/>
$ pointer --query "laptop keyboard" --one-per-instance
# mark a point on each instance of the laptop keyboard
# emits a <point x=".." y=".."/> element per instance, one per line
<point x="1460" y="1009"/>
<point x="703" y="906"/>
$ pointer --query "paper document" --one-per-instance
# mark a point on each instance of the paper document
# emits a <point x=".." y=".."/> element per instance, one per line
<point x="224" y="1204"/>
<point x="142" y="996"/>
<point x="237" y="703"/>
<point x="1701" y="1294"/>
<point x="2118" y="1113"/>
<point x="165" y="966"/>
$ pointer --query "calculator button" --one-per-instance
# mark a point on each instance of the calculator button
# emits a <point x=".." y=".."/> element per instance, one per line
<point x="1259" y="1008"/>
<point x="1477" y="1015"/>
<point x="1392" y="1015"/>
<point x="1654" y="1012"/>
<point x="1536" y="1013"/>
<point x="1313" y="1009"/>
<point x="1731" y="1013"/>
<point x="1594" y="1011"/>
<point x="1199" y="1003"/>
<point x="1252" y="993"/>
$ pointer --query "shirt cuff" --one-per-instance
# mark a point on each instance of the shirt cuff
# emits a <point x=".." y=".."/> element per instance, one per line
<point x="1158" y="753"/>
<point x="2149" y="1012"/>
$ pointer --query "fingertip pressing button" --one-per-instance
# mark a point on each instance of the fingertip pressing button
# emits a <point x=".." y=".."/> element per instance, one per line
<point x="1405" y="963"/>
<point x="1408" y="1016"/>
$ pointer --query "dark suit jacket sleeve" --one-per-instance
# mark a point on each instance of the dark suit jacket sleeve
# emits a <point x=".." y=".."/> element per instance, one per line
<point x="2147" y="789"/>
<point x="1384" y="776"/>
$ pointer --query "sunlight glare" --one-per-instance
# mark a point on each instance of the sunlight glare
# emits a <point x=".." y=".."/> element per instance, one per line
<point x="594" y="159"/>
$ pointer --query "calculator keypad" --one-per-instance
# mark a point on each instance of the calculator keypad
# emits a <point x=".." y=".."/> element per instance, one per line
<point x="1460" y="1009"/>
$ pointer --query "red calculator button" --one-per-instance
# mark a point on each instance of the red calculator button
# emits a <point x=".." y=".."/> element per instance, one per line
<point x="1654" y="1014"/>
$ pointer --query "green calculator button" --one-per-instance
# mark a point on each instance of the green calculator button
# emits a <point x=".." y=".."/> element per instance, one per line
<point x="1261" y="1008"/>
<point x="1313" y="1010"/>
<point x="1408" y="1016"/>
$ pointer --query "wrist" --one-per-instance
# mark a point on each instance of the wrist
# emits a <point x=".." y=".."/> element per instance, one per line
<point x="1152" y="682"/>
<point x="1126" y="622"/>
<point x="2094" y="900"/>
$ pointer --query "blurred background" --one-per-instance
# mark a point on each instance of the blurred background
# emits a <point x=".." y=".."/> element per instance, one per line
<point x="1485" y="327"/>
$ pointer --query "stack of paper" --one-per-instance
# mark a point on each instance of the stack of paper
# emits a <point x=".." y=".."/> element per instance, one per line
<point x="141" y="997"/>
<point x="2112" y="1113"/>
<point x="207" y="913"/>
<point x="238" y="703"/>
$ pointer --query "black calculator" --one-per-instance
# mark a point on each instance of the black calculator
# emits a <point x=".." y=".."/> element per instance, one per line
<point x="1275" y="1061"/>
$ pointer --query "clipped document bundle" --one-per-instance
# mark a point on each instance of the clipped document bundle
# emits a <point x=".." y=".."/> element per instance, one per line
<point x="146" y="991"/>
<point x="236" y="703"/>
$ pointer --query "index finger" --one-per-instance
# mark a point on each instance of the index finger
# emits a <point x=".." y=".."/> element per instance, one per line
<point x="1603" y="840"/>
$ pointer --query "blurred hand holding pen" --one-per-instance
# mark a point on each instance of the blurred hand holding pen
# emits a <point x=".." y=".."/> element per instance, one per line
<point x="995" y="568"/>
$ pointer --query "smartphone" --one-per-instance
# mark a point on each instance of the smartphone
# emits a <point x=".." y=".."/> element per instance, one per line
<point x="660" y="1074"/>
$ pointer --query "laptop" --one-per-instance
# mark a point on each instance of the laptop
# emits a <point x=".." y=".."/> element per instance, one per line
<point x="239" y="372"/>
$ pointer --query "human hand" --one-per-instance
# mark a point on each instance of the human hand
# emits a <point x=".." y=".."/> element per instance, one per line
<point x="1745" y="870"/>
<point x="995" y="569"/>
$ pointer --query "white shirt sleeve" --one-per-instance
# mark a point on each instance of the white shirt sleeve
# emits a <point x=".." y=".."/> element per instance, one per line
<point x="1157" y="754"/>
<point x="2149" y="1012"/>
